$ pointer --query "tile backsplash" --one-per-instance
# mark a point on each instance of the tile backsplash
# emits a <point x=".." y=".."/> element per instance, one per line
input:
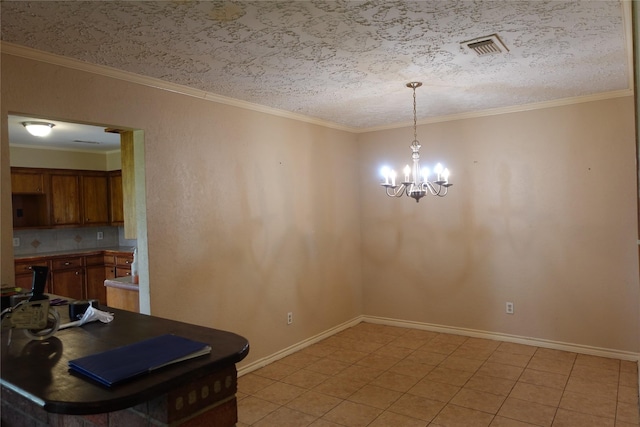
<point x="37" y="241"/>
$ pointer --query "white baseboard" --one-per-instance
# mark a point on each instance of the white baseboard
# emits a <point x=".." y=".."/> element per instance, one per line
<point x="297" y="347"/>
<point x="555" y="345"/>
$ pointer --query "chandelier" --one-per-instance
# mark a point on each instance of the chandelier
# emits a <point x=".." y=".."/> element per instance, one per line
<point x="416" y="182"/>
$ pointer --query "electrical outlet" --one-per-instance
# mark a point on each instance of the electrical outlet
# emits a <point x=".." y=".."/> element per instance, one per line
<point x="100" y="235"/>
<point x="16" y="242"/>
<point x="509" y="308"/>
<point x="289" y="318"/>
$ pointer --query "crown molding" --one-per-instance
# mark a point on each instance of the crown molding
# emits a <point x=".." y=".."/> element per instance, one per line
<point x="38" y="55"/>
<point x="513" y="109"/>
<point x="103" y="70"/>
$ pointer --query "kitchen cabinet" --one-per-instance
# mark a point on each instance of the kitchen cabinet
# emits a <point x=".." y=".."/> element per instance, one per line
<point x="118" y="265"/>
<point x="25" y="181"/>
<point x="52" y="198"/>
<point x="24" y="274"/>
<point x="123" y="296"/>
<point x="78" y="277"/>
<point x="28" y="198"/>
<point x="116" y="208"/>
<point x="29" y="210"/>
<point x="95" y="277"/>
<point x="95" y="199"/>
<point x="67" y="277"/>
<point x="65" y="199"/>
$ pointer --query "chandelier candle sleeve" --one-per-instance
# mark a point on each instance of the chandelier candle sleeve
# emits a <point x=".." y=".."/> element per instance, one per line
<point x="416" y="182"/>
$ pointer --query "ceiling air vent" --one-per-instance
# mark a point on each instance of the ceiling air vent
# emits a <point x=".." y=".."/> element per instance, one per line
<point x="82" y="141"/>
<point x="488" y="45"/>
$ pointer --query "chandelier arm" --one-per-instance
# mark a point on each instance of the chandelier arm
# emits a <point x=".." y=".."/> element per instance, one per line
<point x="397" y="191"/>
<point x="446" y="190"/>
<point x="431" y="188"/>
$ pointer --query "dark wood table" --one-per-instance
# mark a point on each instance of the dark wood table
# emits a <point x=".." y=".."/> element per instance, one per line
<point x="36" y="381"/>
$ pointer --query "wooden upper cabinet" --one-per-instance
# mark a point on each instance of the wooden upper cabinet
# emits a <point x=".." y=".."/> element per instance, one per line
<point x="65" y="199"/>
<point x="27" y="183"/>
<point x="115" y="198"/>
<point x="95" y="199"/>
<point x="51" y="198"/>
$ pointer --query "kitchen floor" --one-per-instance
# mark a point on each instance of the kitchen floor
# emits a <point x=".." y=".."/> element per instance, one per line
<point x="378" y="375"/>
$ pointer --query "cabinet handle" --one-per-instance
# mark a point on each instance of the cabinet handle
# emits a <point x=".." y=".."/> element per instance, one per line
<point x="29" y="268"/>
<point x="127" y="262"/>
<point x="77" y="273"/>
<point x="67" y="263"/>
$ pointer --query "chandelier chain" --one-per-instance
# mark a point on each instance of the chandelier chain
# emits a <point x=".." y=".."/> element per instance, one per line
<point x="415" y="120"/>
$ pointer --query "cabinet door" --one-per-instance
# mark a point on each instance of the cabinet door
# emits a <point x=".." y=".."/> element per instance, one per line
<point x="24" y="274"/>
<point x="95" y="199"/>
<point x="95" y="283"/>
<point x="115" y="192"/>
<point x="69" y="283"/>
<point x="65" y="199"/>
<point x="27" y="183"/>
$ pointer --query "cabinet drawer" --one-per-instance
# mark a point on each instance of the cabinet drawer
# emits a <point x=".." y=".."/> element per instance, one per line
<point x="123" y="272"/>
<point x="25" y="267"/>
<point x="94" y="260"/>
<point x="125" y="260"/>
<point x="63" y="263"/>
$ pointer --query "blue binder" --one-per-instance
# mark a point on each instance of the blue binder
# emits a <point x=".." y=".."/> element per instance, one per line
<point x="120" y="364"/>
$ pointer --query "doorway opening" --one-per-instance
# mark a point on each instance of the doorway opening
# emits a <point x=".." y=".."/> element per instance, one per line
<point x="82" y="200"/>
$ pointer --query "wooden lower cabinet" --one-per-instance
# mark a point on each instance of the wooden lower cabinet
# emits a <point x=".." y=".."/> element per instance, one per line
<point x="77" y="277"/>
<point x="95" y="277"/>
<point x="124" y="299"/>
<point x="24" y="274"/>
<point x="69" y="283"/>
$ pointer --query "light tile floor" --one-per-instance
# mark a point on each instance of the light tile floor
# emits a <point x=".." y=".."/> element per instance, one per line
<point x="377" y="375"/>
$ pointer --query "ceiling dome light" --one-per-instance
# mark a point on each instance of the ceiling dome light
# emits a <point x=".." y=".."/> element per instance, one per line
<point x="38" y="128"/>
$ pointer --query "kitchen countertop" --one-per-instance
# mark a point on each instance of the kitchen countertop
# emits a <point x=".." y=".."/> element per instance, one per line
<point x="122" y="283"/>
<point x="72" y="252"/>
<point x="38" y="370"/>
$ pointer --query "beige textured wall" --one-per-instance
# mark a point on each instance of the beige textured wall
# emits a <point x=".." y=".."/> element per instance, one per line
<point x="57" y="159"/>
<point x="249" y="216"/>
<point x="542" y="214"/>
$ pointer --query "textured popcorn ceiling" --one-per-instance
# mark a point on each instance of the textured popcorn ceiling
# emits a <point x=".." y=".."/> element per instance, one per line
<point x="345" y="62"/>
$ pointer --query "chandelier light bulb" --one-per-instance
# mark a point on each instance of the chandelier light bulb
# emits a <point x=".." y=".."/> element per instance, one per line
<point x="385" y="171"/>
<point x="393" y="175"/>
<point x="425" y="174"/>
<point x="407" y="173"/>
